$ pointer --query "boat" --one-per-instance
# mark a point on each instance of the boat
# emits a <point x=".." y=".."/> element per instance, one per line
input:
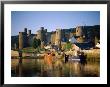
<point x="74" y="58"/>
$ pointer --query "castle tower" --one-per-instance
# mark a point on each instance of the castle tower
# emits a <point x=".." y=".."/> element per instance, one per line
<point x="29" y="38"/>
<point x="58" y="37"/>
<point x="25" y="38"/>
<point x="42" y="28"/>
<point x="80" y="34"/>
<point x="79" y="31"/>
<point x="20" y="40"/>
<point x="53" y="36"/>
<point x="41" y="34"/>
<point x="42" y="45"/>
<point x="25" y="30"/>
<point x="38" y="34"/>
<point x="29" y="32"/>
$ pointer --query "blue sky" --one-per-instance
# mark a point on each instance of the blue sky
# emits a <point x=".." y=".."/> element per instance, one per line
<point x="51" y="20"/>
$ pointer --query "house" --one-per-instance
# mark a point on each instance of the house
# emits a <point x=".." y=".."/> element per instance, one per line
<point x="82" y="46"/>
<point x="73" y="40"/>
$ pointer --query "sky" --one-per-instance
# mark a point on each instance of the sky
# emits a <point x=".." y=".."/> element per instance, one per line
<point x="51" y="20"/>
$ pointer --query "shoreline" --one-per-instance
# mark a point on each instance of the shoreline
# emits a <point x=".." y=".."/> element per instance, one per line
<point x="91" y="54"/>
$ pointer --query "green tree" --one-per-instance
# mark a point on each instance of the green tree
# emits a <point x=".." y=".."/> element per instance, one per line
<point x="35" y="43"/>
<point x="68" y="45"/>
<point x="38" y="42"/>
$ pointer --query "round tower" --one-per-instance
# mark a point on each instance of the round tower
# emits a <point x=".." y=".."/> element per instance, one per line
<point x="80" y="34"/>
<point x="38" y="34"/>
<point x="25" y="30"/>
<point x="53" y="36"/>
<point x="42" y="34"/>
<point x="79" y="31"/>
<point x="29" y="32"/>
<point x="42" y="45"/>
<point x="20" y="40"/>
<point x="58" y="37"/>
<point x="41" y="28"/>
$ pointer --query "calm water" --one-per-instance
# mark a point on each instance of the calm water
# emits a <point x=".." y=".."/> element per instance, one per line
<point x="37" y="68"/>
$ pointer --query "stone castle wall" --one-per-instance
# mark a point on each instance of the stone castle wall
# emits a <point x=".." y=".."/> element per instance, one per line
<point x="82" y="33"/>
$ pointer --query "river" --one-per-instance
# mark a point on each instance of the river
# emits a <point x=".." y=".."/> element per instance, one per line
<point x="36" y="68"/>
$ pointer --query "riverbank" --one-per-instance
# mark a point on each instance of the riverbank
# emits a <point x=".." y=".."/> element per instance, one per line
<point x="90" y="54"/>
<point x="15" y="54"/>
<point x="93" y="53"/>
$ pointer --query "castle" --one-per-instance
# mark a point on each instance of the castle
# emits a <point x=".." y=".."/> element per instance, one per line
<point x="81" y="33"/>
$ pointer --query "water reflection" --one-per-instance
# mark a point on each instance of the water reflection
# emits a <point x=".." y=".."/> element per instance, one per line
<point x="57" y="68"/>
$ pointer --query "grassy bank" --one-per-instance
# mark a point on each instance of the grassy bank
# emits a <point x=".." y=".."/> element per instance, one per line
<point x="31" y="50"/>
<point x="92" y="55"/>
<point x="28" y="50"/>
<point x="95" y="53"/>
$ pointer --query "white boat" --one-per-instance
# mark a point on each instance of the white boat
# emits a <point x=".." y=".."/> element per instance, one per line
<point x="74" y="58"/>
